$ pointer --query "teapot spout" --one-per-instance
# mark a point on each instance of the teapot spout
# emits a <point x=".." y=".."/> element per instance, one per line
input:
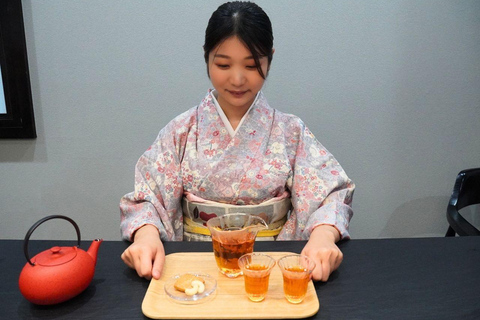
<point x="93" y="250"/>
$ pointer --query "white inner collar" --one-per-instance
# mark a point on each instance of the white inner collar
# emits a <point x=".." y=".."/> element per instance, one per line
<point x="224" y="118"/>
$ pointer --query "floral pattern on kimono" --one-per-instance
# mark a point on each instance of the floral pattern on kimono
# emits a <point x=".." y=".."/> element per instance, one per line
<point x="270" y="154"/>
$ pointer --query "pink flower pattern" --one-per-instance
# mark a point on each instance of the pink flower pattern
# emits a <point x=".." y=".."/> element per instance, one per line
<point x="193" y="154"/>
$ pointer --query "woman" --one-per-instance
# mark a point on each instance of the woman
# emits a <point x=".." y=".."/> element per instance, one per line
<point x="235" y="150"/>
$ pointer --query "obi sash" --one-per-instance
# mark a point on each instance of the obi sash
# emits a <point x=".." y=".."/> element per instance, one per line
<point x="196" y="215"/>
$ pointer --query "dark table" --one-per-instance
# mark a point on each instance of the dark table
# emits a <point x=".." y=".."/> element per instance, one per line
<point x="421" y="278"/>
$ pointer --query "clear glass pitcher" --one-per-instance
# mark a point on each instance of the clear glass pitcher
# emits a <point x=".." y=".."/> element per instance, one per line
<point x="233" y="235"/>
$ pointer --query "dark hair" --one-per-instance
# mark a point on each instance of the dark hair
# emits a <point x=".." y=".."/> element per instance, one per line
<point x="248" y="22"/>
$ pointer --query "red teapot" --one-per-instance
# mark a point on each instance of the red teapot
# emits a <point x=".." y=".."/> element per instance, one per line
<point x="59" y="273"/>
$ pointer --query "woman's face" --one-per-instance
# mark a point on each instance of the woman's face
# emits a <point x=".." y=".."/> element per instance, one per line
<point x="234" y="74"/>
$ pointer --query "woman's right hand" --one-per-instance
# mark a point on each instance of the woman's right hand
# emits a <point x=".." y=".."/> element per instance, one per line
<point x="146" y="254"/>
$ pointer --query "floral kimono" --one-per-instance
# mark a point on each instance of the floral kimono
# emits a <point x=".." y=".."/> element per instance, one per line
<point x="271" y="155"/>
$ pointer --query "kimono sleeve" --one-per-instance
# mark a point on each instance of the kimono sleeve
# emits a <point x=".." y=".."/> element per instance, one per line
<point x="321" y="191"/>
<point x="158" y="189"/>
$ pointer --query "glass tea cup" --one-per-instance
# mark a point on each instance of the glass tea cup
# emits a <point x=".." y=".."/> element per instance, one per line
<point x="296" y="271"/>
<point x="233" y="235"/>
<point x="256" y="268"/>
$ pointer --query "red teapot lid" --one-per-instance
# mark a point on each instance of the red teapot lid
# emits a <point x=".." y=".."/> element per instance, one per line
<point x="55" y="256"/>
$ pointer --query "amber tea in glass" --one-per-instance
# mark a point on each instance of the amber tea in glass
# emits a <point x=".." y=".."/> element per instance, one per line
<point x="256" y="268"/>
<point x="233" y="235"/>
<point x="296" y="271"/>
<point x="227" y="255"/>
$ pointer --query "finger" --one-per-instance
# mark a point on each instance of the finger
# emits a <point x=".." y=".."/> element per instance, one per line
<point x="127" y="259"/>
<point x="338" y="261"/>
<point x="317" y="271"/>
<point x="325" y="272"/>
<point x="158" y="265"/>
<point x="144" y="266"/>
<point x="309" y="253"/>
<point x="326" y="269"/>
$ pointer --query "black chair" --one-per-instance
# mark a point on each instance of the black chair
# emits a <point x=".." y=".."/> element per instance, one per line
<point x="466" y="192"/>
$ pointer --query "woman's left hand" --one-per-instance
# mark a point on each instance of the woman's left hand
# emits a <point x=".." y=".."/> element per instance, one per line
<point x="322" y="249"/>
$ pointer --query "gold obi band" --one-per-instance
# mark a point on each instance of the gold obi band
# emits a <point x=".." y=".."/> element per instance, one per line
<point x="196" y="215"/>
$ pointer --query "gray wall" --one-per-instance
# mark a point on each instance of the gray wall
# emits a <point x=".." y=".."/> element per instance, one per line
<point x="391" y="88"/>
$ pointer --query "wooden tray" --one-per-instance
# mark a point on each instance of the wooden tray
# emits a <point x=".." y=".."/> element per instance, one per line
<point x="230" y="300"/>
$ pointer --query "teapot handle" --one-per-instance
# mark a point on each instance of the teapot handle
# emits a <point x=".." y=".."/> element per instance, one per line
<point x="39" y="222"/>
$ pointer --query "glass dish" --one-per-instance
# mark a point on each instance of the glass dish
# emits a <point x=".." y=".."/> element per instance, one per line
<point x="182" y="297"/>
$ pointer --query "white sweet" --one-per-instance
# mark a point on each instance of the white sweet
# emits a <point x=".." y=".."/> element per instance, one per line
<point x="197" y="287"/>
<point x="201" y="286"/>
